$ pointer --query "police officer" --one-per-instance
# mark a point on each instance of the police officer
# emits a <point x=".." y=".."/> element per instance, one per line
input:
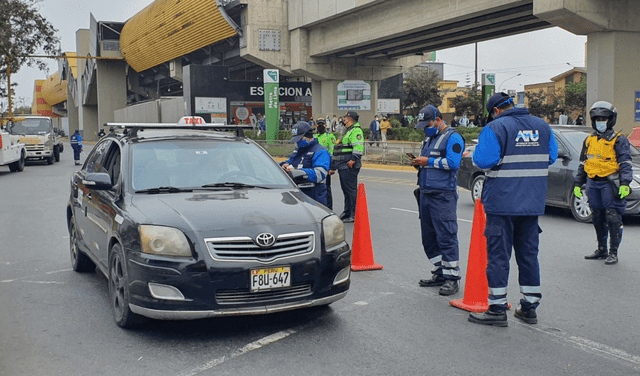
<point x="605" y="165"/>
<point x="312" y="158"/>
<point x="76" y="145"/>
<point x="347" y="155"/>
<point x="518" y="149"/>
<point x="437" y="176"/>
<point x="328" y="140"/>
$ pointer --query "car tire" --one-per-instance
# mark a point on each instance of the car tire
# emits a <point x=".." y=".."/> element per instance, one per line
<point x="476" y="188"/>
<point x="18" y="166"/>
<point x="50" y="159"/>
<point x="580" y="208"/>
<point x="56" y="153"/>
<point x="119" y="293"/>
<point x="80" y="262"/>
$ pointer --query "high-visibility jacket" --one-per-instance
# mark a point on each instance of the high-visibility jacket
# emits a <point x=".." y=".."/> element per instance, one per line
<point x="328" y="140"/>
<point x="350" y="148"/>
<point x="444" y="161"/>
<point x="601" y="156"/>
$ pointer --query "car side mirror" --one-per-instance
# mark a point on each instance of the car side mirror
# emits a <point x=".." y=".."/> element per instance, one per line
<point x="100" y="181"/>
<point x="562" y="153"/>
<point x="300" y="178"/>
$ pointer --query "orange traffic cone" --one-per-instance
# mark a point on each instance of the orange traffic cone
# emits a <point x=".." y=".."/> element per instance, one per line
<point x="362" y="250"/>
<point x="476" y="287"/>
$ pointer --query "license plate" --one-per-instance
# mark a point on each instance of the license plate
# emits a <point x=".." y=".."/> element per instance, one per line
<point x="271" y="278"/>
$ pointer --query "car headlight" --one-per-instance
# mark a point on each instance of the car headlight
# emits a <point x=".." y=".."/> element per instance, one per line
<point x="164" y="241"/>
<point x="333" y="229"/>
<point x="47" y="143"/>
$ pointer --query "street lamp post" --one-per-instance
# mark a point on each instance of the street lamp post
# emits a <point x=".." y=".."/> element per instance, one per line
<point x="500" y="87"/>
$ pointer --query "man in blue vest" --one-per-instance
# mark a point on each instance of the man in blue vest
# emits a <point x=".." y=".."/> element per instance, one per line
<point x="605" y="166"/>
<point x="437" y="176"/>
<point x="76" y="144"/>
<point x="312" y="158"/>
<point x="518" y="149"/>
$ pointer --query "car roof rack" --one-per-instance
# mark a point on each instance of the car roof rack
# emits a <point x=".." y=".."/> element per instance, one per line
<point x="132" y="129"/>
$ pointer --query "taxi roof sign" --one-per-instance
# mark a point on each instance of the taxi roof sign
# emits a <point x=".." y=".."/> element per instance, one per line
<point x="192" y="121"/>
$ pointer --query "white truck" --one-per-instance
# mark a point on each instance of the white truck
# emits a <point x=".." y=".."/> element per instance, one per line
<point x="11" y="154"/>
<point x="39" y="135"/>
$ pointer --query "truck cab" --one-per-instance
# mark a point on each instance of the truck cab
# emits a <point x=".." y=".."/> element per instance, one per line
<point x="12" y="154"/>
<point x="42" y="140"/>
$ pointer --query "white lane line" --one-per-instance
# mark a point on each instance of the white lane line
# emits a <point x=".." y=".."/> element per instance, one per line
<point x="250" y="347"/>
<point x="416" y="212"/>
<point x="21" y="279"/>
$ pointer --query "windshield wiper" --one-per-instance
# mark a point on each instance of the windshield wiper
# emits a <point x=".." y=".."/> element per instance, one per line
<point x="164" y="190"/>
<point x="229" y="184"/>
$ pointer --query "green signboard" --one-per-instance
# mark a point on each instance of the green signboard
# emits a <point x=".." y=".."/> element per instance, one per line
<point x="272" y="102"/>
<point x="488" y="89"/>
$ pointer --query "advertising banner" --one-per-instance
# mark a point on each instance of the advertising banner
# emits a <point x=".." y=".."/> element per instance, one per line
<point x="354" y="95"/>
<point x="488" y="89"/>
<point x="272" y="102"/>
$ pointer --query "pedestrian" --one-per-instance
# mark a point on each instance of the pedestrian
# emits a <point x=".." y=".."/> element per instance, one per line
<point x="334" y="124"/>
<point x="464" y="122"/>
<point x="374" y="128"/>
<point x="579" y="120"/>
<point x="328" y="140"/>
<point x="340" y="128"/>
<point x="262" y="124"/>
<point x="76" y="145"/>
<point x="310" y="157"/>
<point x="605" y="166"/>
<point x="437" y="176"/>
<point x="562" y="119"/>
<point x="385" y="125"/>
<point x="518" y="149"/>
<point x="347" y="155"/>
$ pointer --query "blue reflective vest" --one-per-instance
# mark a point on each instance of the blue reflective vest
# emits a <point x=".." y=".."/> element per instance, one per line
<point x="315" y="161"/>
<point x="517" y="185"/>
<point x="439" y="174"/>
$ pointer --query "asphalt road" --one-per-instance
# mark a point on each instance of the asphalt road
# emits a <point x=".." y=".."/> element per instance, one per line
<point x="54" y="321"/>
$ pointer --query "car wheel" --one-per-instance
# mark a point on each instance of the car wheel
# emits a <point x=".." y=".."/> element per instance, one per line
<point x="50" y="159"/>
<point x="119" y="293"/>
<point x="56" y="153"/>
<point x="18" y="165"/>
<point x="80" y="262"/>
<point x="476" y="188"/>
<point x="580" y="208"/>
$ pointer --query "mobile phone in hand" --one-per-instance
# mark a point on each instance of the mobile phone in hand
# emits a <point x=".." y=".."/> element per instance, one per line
<point x="411" y="156"/>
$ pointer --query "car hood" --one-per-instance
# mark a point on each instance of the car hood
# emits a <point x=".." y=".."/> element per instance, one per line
<point x="231" y="212"/>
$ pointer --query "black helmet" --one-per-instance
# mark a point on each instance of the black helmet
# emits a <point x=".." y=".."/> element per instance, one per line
<point x="497" y="100"/>
<point x="603" y="109"/>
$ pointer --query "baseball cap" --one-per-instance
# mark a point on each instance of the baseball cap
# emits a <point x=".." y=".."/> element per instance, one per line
<point x="497" y="100"/>
<point x="299" y="130"/>
<point x="352" y="114"/>
<point x="426" y="115"/>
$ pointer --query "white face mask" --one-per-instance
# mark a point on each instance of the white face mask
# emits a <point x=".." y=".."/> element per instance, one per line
<point x="601" y="126"/>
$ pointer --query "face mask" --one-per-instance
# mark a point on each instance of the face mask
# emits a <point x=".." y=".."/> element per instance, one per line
<point x="302" y="143"/>
<point x="430" y="131"/>
<point x="601" y="126"/>
<point x="321" y="129"/>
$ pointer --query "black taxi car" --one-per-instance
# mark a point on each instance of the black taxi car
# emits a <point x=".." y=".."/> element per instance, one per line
<point x="561" y="174"/>
<point x="189" y="223"/>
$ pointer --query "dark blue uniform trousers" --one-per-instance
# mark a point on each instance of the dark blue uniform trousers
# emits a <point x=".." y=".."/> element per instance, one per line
<point x="522" y="234"/>
<point x="439" y="223"/>
<point x="76" y="152"/>
<point x="349" y="185"/>
<point x="318" y="193"/>
<point x="602" y="197"/>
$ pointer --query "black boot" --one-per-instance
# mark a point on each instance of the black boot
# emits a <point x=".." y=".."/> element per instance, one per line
<point x="613" y="257"/>
<point x="527" y="315"/>
<point x="600" y="253"/>
<point x="449" y="288"/>
<point x="436" y="280"/>
<point x="495" y="318"/>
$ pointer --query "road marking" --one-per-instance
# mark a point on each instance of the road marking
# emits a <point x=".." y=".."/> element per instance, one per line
<point x="250" y="347"/>
<point x="416" y="212"/>
<point x="21" y="279"/>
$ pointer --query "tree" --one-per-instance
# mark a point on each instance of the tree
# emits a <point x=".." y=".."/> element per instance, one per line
<point x="543" y="104"/>
<point x="575" y="97"/>
<point x="420" y="90"/>
<point x="470" y="105"/>
<point x="23" y="32"/>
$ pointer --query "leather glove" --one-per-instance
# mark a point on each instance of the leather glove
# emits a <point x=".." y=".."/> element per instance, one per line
<point x="624" y="191"/>
<point x="578" y="193"/>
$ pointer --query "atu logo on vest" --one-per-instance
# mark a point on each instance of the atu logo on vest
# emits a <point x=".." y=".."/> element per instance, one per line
<point x="527" y="138"/>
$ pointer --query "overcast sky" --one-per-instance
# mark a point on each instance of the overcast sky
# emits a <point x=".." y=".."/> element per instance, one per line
<point x="537" y="56"/>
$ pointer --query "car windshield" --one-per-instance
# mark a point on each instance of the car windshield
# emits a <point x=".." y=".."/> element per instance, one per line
<point x="195" y="164"/>
<point x="31" y="127"/>
<point x="576" y="139"/>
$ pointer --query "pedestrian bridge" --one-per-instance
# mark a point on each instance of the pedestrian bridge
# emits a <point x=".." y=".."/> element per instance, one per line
<point x="332" y="40"/>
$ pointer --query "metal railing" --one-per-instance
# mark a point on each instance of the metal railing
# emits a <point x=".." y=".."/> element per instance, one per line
<point x="395" y="152"/>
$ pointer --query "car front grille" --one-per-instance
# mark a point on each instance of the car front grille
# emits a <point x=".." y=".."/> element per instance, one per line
<point x="245" y="249"/>
<point x="228" y="297"/>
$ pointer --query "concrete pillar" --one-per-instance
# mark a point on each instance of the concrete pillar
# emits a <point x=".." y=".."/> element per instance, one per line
<point x="111" y="85"/>
<point x="325" y="98"/>
<point x="613" y="73"/>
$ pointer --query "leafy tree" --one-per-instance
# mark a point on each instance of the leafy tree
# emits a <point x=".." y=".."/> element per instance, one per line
<point x="575" y="97"/>
<point x="420" y="90"/>
<point x="470" y="105"/>
<point x="544" y="105"/>
<point x="23" y="32"/>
